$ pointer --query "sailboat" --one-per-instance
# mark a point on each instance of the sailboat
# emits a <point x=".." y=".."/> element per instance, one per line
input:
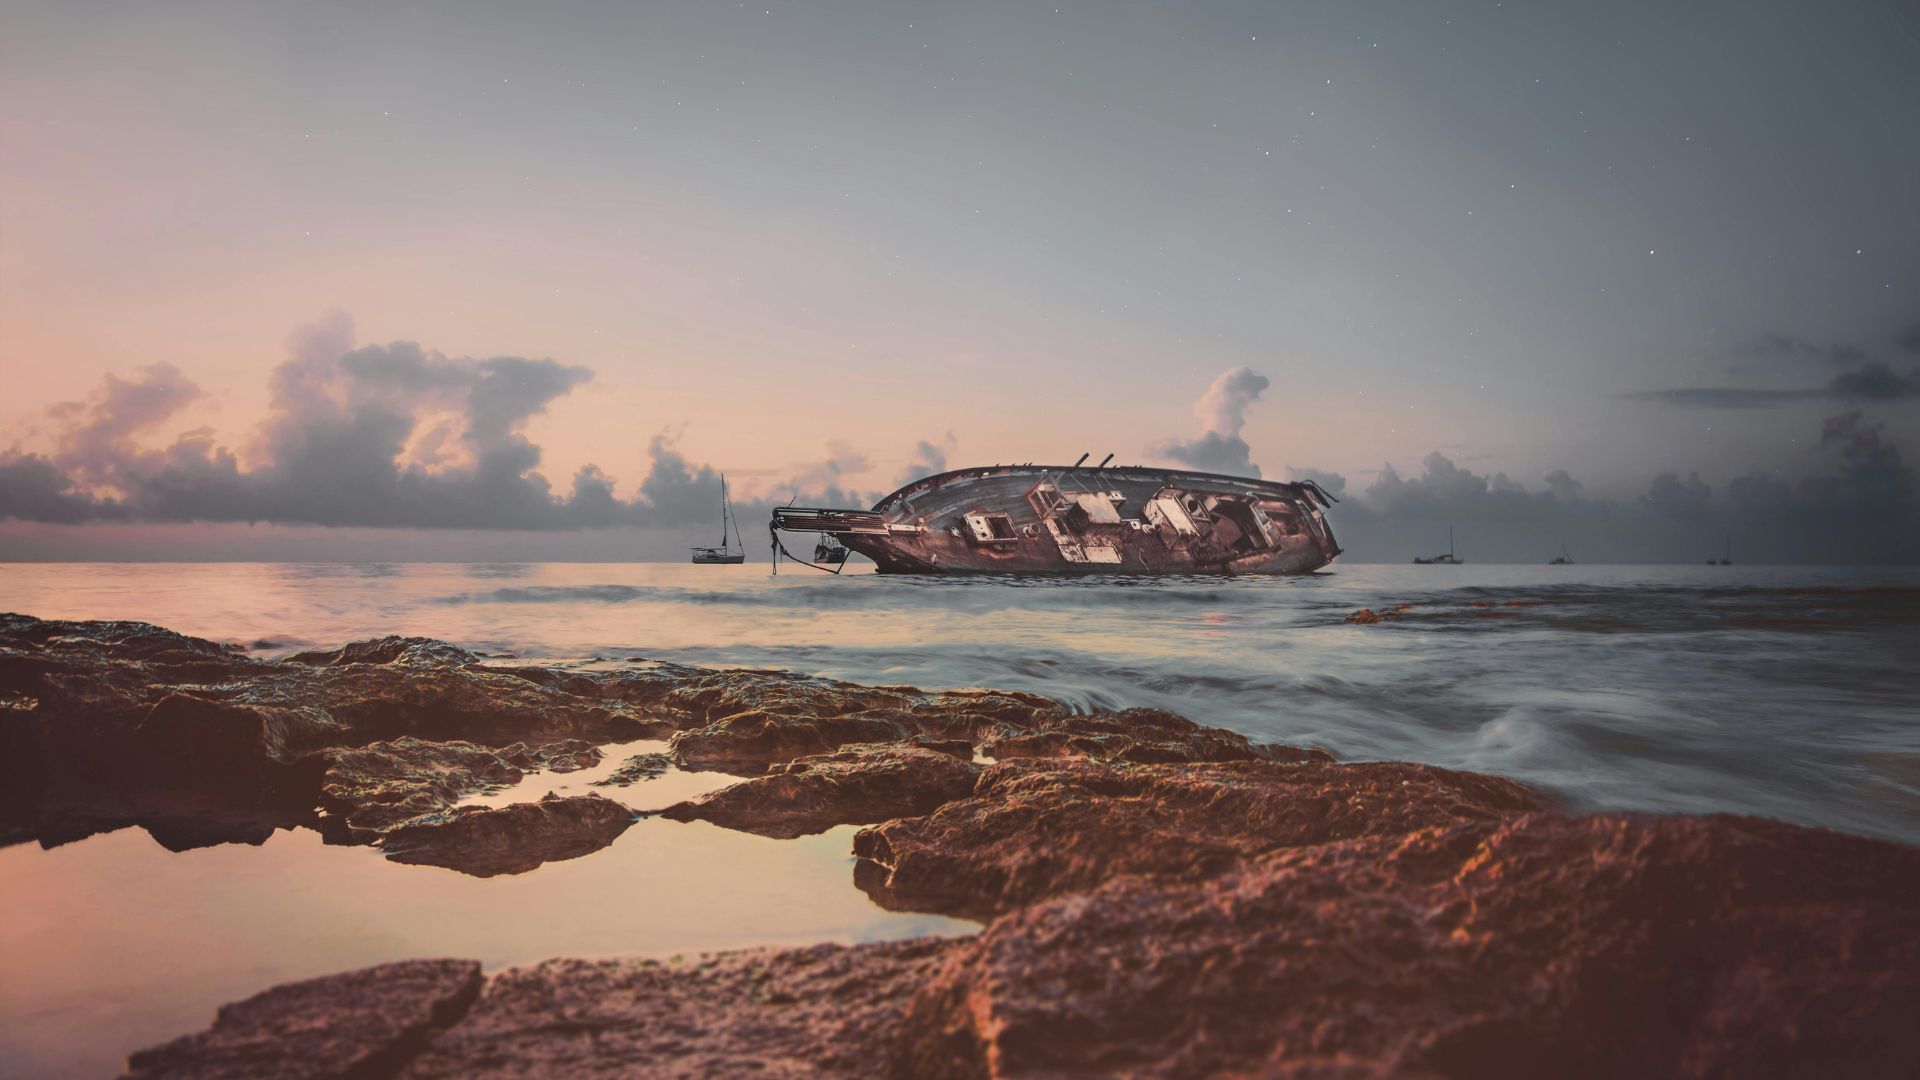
<point x="1724" y="560"/>
<point x="725" y="554"/>
<point x="1563" y="559"/>
<point x="1449" y="559"/>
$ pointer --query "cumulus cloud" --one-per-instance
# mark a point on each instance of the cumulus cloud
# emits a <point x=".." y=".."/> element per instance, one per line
<point x="392" y="435"/>
<point x="929" y="458"/>
<point x="1332" y="483"/>
<point x="1222" y="412"/>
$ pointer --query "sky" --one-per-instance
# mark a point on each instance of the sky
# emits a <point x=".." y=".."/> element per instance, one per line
<point x="418" y="280"/>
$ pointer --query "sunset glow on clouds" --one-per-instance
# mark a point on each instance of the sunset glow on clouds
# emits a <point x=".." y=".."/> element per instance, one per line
<point x="824" y="247"/>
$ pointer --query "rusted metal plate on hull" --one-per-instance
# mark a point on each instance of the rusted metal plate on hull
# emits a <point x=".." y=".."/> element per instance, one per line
<point x="1064" y="520"/>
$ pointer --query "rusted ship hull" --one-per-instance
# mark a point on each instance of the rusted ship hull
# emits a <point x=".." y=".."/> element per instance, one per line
<point x="1031" y="519"/>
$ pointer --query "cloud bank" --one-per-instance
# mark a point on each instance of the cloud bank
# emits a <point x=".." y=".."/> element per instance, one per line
<point x="397" y="437"/>
<point x="1862" y="508"/>
<point x="388" y="436"/>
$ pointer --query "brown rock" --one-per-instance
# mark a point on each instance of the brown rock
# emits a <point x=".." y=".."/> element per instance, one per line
<point x="376" y="788"/>
<point x="1536" y="946"/>
<point x="751" y="740"/>
<point x="706" y="696"/>
<point x="854" y="785"/>
<point x="485" y="841"/>
<point x="565" y="756"/>
<point x="1034" y="829"/>
<point x="362" y="1023"/>
<point x="826" y="1011"/>
<point x="1365" y="617"/>
<point x="1143" y="736"/>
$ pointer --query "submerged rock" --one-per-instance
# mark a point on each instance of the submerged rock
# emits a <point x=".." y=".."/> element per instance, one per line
<point x="854" y="785"/>
<point x="565" y="756"/>
<point x="362" y="1023"/>
<point x="489" y="840"/>
<point x="637" y="768"/>
<point x="1034" y="829"/>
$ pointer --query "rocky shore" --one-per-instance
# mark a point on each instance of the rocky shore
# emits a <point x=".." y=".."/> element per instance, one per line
<point x="1158" y="898"/>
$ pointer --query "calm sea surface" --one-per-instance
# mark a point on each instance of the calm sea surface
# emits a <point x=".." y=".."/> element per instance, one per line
<point x="1789" y="692"/>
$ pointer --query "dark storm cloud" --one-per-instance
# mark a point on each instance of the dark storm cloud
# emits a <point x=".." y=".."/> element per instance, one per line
<point x="1863" y="380"/>
<point x="1222" y="411"/>
<point x="1786" y="346"/>
<point x="387" y="435"/>
<point x="1726" y="397"/>
<point x="1858" y="506"/>
<point x="1873" y="381"/>
<point x="1909" y="339"/>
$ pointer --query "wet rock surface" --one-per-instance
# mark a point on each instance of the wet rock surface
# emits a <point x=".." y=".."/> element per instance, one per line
<point x="1536" y="946"/>
<point x="1035" y="829"/>
<point x="1160" y="898"/>
<point x="362" y="1023"/>
<point x="384" y="785"/>
<point x="854" y="785"/>
<point x="486" y="841"/>
<point x="827" y="1011"/>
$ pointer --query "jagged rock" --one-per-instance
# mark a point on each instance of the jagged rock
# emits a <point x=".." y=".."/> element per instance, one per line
<point x="116" y="723"/>
<point x="637" y="768"/>
<point x="486" y="841"/>
<point x="1535" y="946"/>
<point x="826" y="1011"/>
<point x="1040" y="828"/>
<point x="361" y="1023"/>
<point x="379" y="787"/>
<point x="854" y="785"/>
<point x="565" y="756"/>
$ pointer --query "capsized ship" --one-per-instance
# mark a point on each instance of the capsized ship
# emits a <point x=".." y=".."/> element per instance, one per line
<point x="1074" y="519"/>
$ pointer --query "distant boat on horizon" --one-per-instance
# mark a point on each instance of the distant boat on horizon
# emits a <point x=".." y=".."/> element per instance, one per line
<point x="1564" y="559"/>
<point x="1724" y="560"/>
<point x="1449" y="559"/>
<point x="725" y="554"/>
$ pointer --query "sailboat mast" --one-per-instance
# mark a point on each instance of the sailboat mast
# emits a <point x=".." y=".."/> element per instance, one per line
<point x="726" y="511"/>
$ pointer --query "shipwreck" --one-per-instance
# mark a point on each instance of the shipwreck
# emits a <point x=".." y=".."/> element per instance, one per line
<point x="1075" y="519"/>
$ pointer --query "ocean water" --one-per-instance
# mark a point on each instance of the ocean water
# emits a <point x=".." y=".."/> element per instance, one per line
<point x="1788" y="692"/>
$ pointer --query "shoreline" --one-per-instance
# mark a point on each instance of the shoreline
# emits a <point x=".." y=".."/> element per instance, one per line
<point x="1197" y="902"/>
